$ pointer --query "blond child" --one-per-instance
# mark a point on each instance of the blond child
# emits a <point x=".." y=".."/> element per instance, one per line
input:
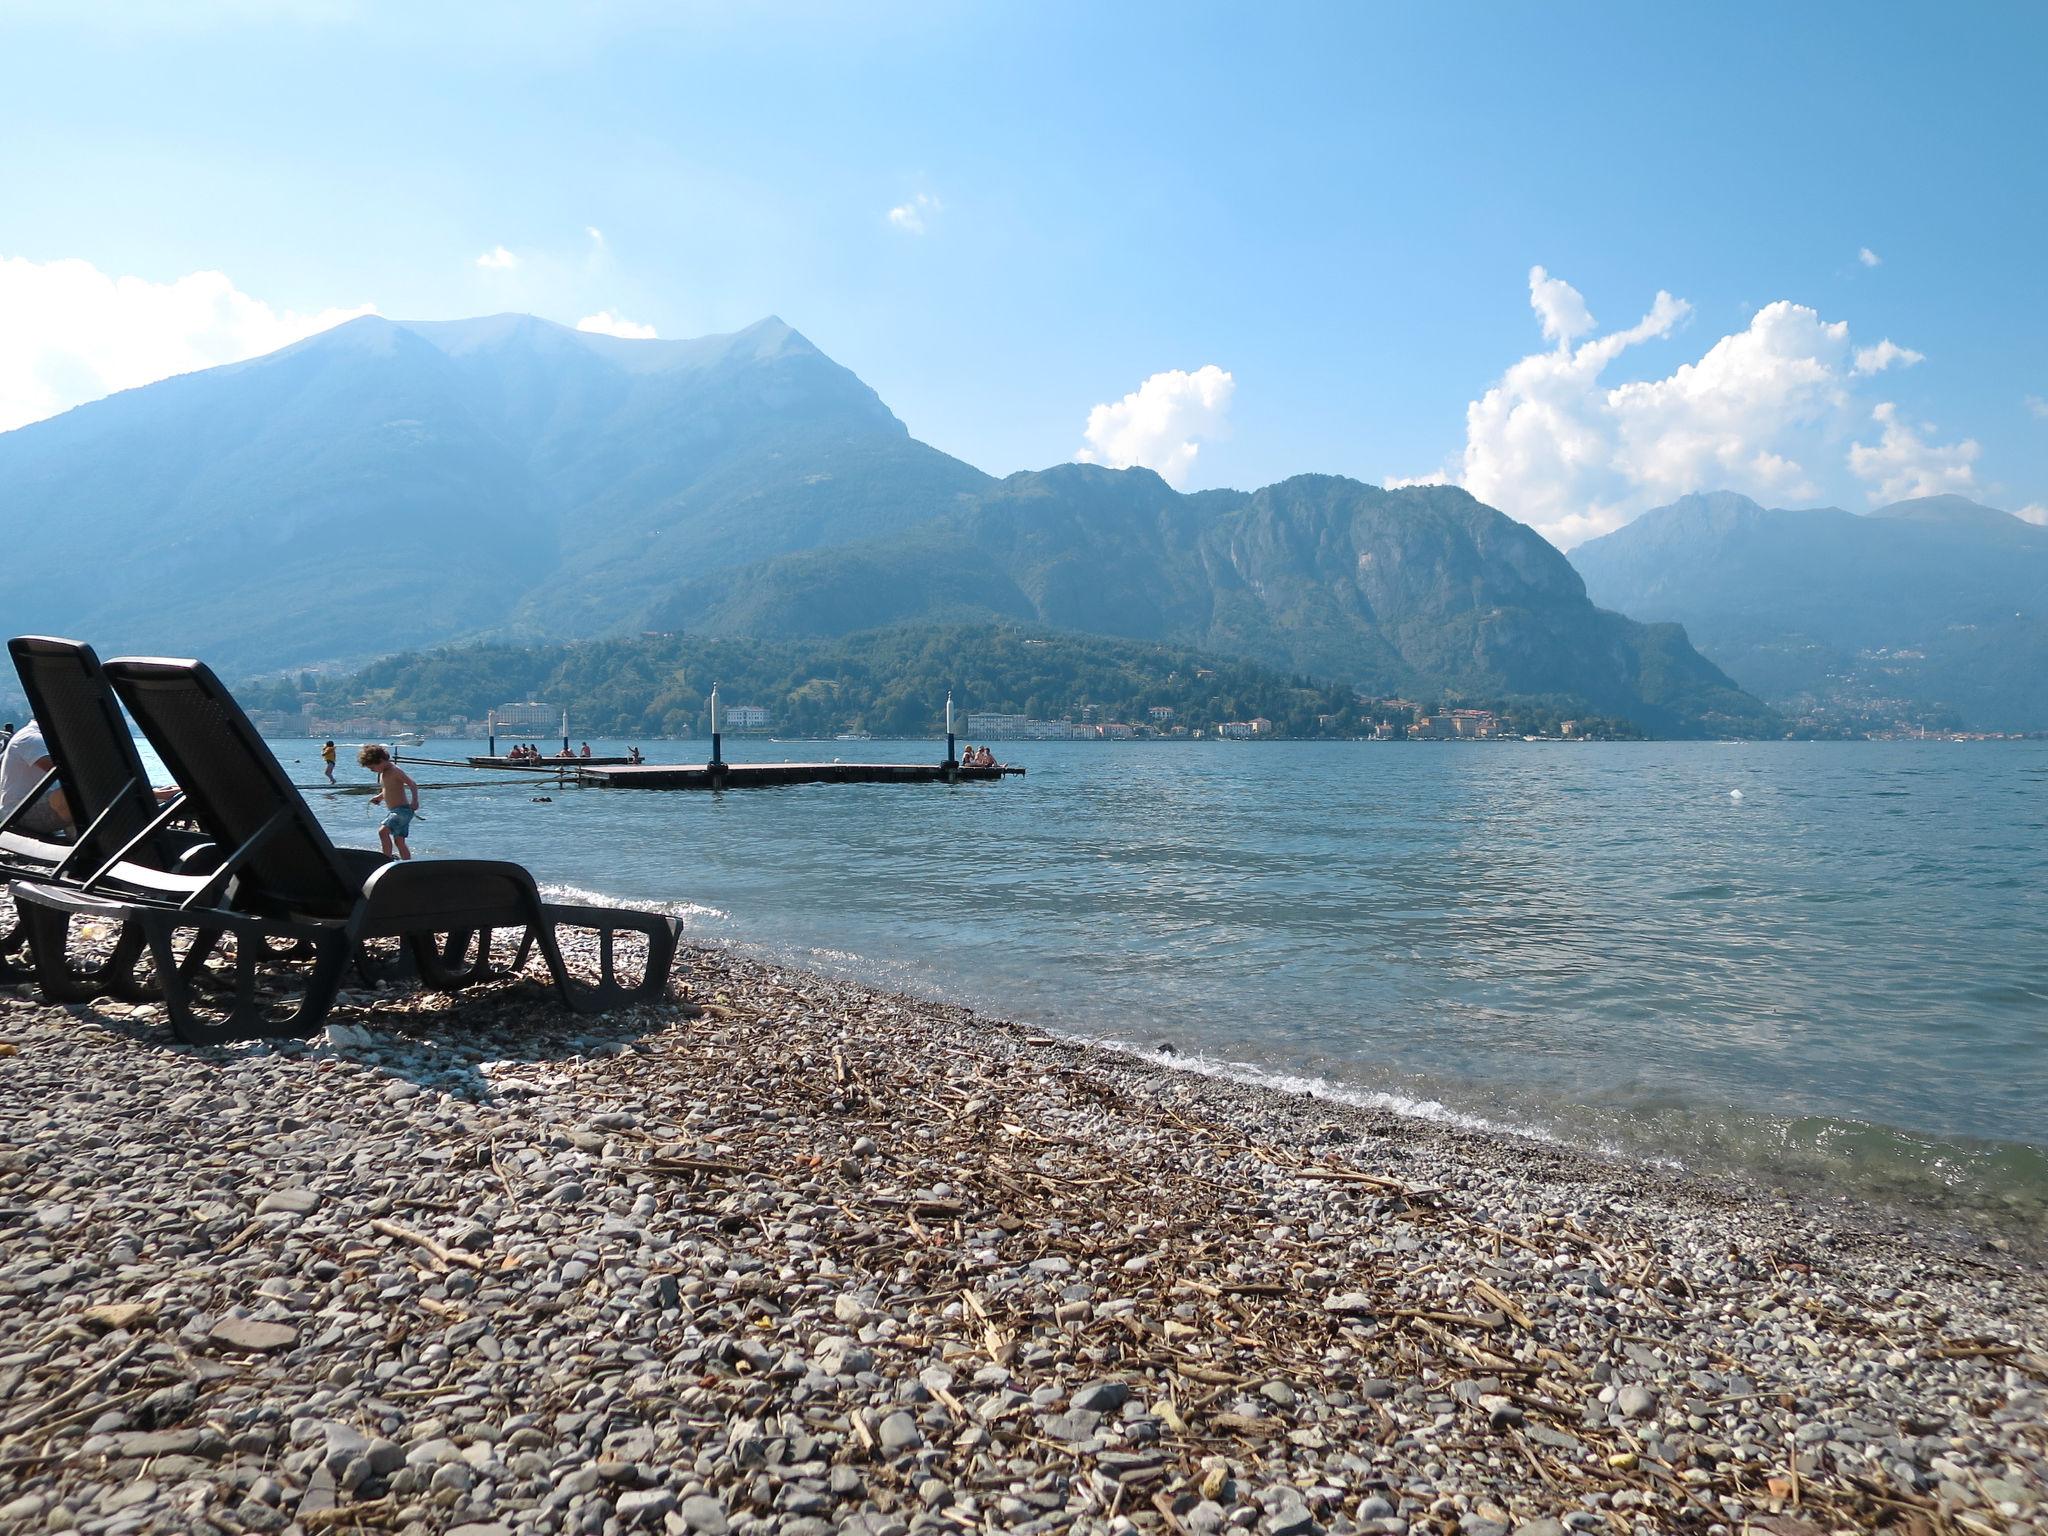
<point x="397" y="793"/>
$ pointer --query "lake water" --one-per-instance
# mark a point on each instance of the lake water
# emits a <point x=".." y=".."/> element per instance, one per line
<point x="1824" y="964"/>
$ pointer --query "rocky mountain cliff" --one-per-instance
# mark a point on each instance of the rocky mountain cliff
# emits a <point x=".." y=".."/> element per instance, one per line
<point x="1419" y="589"/>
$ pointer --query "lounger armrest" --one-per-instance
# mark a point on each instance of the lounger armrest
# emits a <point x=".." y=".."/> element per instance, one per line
<point x="444" y="895"/>
<point x="117" y="907"/>
<point x="22" y="851"/>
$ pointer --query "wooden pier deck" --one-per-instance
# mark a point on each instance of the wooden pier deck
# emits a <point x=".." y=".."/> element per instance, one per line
<point x="770" y="775"/>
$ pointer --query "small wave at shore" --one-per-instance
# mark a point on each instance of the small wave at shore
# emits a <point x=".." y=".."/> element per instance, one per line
<point x="580" y="896"/>
<point x="1316" y="1087"/>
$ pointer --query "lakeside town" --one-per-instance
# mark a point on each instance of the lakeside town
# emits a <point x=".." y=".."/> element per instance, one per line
<point x="1391" y="720"/>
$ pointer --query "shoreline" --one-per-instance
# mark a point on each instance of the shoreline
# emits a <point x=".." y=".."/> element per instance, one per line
<point x="796" y="1254"/>
<point x="1971" y="1218"/>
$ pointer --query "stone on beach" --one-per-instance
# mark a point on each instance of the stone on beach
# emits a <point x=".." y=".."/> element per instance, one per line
<point x="253" y="1335"/>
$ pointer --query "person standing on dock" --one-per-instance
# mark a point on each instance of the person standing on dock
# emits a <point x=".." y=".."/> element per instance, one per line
<point x="398" y="793"/>
<point x="327" y="757"/>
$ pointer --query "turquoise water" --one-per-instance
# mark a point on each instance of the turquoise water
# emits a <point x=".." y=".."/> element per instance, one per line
<point x="1837" y="978"/>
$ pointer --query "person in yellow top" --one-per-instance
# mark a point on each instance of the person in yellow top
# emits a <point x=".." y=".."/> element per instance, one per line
<point x="327" y="757"/>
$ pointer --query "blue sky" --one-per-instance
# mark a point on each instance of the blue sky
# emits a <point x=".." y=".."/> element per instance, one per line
<point x="1340" y="207"/>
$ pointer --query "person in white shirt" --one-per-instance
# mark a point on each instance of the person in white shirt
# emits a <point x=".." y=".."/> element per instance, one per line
<point x="22" y="767"/>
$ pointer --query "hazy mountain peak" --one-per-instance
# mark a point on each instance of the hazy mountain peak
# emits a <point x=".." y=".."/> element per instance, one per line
<point x="1955" y="511"/>
<point x="1927" y="610"/>
<point x="1722" y="502"/>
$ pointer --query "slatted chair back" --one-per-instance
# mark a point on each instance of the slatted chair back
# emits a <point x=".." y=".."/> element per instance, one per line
<point x="284" y="862"/>
<point x="97" y="765"/>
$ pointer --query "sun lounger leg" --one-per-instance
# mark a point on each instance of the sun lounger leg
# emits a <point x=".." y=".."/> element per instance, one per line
<point x="248" y="1014"/>
<point x="447" y="962"/>
<point x="661" y="933"/>
<point x="17" y="961"/>
<point x="48" y="940"/>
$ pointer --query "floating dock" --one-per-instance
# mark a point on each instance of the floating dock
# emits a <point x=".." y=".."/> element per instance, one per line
<point x="771" y="775"/>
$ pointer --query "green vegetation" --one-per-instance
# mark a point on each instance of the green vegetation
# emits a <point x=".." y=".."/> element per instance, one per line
<point x="889" y="682"/>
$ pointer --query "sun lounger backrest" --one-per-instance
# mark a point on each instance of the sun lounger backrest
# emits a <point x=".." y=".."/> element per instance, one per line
<point x="235" y="787"/>
<point x="97" y="764"/>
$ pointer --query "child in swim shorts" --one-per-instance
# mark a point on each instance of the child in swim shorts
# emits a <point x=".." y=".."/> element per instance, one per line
<point x="398" y="793"/>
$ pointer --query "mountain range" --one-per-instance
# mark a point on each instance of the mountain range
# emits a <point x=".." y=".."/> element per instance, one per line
<point x="1932" y="611"/>
<point x="387" y="485"/>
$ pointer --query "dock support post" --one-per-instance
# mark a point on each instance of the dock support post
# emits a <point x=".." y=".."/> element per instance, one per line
<point x="717" y="763"/>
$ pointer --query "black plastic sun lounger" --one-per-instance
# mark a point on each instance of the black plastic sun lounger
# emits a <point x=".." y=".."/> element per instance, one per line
<point x="111" y="801"/>
<point x="280" y="877"/>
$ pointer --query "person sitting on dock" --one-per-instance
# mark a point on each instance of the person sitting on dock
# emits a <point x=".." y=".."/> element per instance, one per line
<point x="586" y="750"/>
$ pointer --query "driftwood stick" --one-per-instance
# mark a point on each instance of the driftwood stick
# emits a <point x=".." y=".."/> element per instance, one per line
<point x="84" y="1384"/>
<point x="441" y="1255"/>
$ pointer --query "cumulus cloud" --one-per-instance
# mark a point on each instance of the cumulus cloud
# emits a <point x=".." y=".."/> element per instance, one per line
<point x="605" y="323"/>
<point x="911" y="216"/>
<point x="2036" y="513"/>
<point x="1868" y="257"/>
<point x="1765" y="410"/>
<point x="2038" y="406"/>
<point x="1902" y="463"/>
<point x="74" y="333"/>
<point x="1882" y="356"/>
<point x="1160" y="425"/>
<point x="1559" y="307"/>
<point x="497" y="259"/>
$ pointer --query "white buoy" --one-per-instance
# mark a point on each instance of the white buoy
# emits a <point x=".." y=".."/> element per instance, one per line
<point x="1734" y="794"/>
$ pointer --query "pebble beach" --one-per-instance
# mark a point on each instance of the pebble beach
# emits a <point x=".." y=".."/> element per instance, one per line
<point x="788" y="1254"/>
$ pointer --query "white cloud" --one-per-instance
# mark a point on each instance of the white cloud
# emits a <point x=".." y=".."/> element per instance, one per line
<point x="1887" y="352"/>
<point x="74" y="333"/>
<point x="1559" y="307"/>
<point x="2038" y="406"/>
<point x="2037" y="514"/>
<point x="596" y="234"/>
<point x="1868" y="257"/>
<point x="1765" y="410"/>
<point x="1161" y="423"/>
<point x="1902" y="463"/>
<point x="910" y="216"/>
<point x="605" y="323"/>
<point x="497" y="259"/>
